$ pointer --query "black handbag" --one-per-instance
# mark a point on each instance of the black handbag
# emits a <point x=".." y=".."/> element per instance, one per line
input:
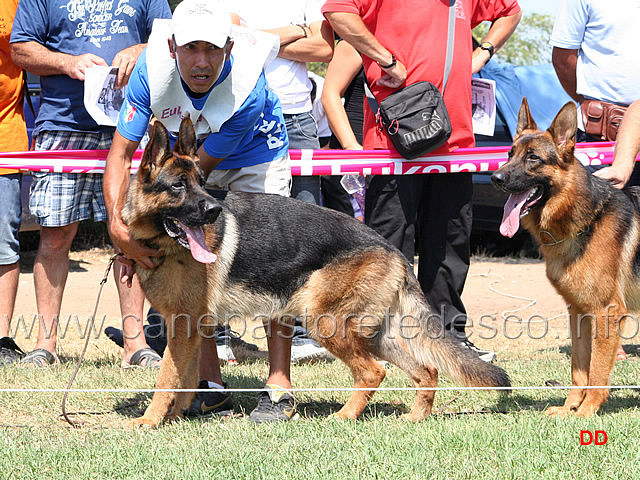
<point x="415" y="117"/>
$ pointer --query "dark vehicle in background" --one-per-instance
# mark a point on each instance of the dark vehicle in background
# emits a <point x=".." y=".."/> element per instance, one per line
<point x="488" y="204"/>
<point x="540" y="84"/>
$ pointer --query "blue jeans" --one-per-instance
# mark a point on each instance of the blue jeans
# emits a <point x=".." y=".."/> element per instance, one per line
<point x="10" y="211"/>
<point x="303" y="133"/>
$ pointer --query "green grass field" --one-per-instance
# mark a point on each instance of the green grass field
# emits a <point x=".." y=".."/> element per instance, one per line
<point x="474" y="435"/>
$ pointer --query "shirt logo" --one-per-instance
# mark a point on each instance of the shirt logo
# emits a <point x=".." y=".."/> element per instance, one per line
<point x="459" y="10"/>
<point x="129" y="113"/>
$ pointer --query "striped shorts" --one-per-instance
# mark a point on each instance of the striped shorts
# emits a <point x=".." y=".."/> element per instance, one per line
<point x="59" y="199"/>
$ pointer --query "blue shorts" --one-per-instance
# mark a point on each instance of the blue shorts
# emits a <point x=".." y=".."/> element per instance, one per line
<point x="303" y="133"/>
<point x="10" y="218"/>
<point x="59" y="199"/>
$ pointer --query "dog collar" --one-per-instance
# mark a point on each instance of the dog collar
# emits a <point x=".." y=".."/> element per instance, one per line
<point x="556" y="242"/>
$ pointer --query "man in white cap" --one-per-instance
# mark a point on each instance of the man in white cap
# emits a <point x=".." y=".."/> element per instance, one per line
<point x="188" y="69"/>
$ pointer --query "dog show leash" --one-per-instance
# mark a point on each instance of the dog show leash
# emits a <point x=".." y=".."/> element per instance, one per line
<point x="86" y="342"/>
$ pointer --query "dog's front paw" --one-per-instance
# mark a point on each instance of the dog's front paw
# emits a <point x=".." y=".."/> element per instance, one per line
<point x="557" y="412"/>
<point x="412" y="417"/>
<point x="586" y="411"/>
<point x="337" y="416"/>
<point x="145" y="422"/>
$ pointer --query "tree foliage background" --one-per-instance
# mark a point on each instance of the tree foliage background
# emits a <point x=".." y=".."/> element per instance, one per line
<point x="529" y="44"/>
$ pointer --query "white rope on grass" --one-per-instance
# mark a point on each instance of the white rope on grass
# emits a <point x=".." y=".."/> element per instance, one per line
<point x="507" y="314"/>
<point x="322" y="389"/>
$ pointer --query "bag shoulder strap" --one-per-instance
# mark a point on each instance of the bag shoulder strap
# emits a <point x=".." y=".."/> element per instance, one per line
<point x="373" y="103"/>
<point x="25" y="91"/>
<point x="451" y="34"/>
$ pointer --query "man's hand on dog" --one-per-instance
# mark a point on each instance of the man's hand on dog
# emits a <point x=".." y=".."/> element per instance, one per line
<point x="134" y="251"/>
<point x="618" y="176"/>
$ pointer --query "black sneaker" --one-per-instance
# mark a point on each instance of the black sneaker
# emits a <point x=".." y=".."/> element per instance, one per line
<point x="10" y="352"/>
<point x="213" y="402"/>
<point x="486" y="355"/>
<point x="275" y="405"/>
<point x="225" y="336"/>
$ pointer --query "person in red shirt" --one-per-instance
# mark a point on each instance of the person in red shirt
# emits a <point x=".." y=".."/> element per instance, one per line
<point x="403" y="42"/>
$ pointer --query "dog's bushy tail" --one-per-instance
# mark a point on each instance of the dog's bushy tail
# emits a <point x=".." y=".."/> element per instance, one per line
<point x="434" y="347"/>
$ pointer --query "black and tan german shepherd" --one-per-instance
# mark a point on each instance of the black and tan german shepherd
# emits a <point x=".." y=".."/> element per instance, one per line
<point x="589" y="234"/>
<point x="257" y="256"/>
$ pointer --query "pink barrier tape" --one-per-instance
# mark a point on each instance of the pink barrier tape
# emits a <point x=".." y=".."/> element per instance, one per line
<point x="317" y="162"/>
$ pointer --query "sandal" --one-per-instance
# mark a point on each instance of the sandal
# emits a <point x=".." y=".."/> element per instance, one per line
<point x="145" y="357"/>
<point x="621" y="354"/>
<point x="10" y="352"/>
<point x="40" y="358"/>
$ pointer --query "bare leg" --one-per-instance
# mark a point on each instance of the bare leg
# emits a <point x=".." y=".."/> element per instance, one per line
<point x="9" y="275"/>
<point x="279" y="345"/>
<point x="132" y="311"/>
<point x="209" y="361"/>
<point x="50" y="271"/>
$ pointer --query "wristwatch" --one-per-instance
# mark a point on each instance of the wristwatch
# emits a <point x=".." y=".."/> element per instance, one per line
<point x="488" y="46"/>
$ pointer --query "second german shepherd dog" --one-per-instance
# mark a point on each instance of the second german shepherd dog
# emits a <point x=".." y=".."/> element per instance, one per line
<point x="589" y="234"/>
<point x="266" y="256"/>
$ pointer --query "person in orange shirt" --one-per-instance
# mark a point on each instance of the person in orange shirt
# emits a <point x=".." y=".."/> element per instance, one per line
<point x="13" y="137"/>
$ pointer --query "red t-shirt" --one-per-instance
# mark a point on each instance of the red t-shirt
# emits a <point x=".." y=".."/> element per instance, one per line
<point x="415" y="31"/>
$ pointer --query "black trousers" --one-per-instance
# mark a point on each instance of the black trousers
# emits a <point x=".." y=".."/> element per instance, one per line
<point x="430" y="215"/>
<point x="334" y="196"/>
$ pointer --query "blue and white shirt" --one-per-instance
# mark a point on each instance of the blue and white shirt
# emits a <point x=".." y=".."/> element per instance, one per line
<point x="238" y="120"/>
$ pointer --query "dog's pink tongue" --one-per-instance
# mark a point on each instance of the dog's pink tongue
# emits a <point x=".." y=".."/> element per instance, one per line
<point x="511" y="217"/>
<point x="198" y="245"/>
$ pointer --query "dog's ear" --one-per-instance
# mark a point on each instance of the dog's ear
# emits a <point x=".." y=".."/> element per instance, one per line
<point x="563" y="129"/>
<point x="526" y="123"/>
<point x="157" y="150"/>
<point x="186" y="144"/>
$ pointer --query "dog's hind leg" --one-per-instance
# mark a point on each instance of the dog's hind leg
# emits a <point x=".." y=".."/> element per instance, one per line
<point x="580" y="360"/>
<point x="336" y="332"/>
<point x="179" y="370"/>
<point x="367" y="374"/>
<point x="422" y="377"/>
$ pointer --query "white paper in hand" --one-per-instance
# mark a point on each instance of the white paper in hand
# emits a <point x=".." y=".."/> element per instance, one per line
<point x="483" y="106"/>
<point x="101" y="99"/>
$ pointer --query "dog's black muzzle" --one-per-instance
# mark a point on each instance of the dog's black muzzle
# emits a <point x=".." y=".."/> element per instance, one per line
<point x="498" y="178"/>
<point x="210" y="209"/>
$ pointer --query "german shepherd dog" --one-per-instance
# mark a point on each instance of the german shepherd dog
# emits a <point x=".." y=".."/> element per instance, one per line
<point x="588" y="233"/>
<point x="266" y="256"/>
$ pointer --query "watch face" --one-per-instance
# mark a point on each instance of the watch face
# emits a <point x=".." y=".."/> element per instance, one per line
<point x="487" y="46"/>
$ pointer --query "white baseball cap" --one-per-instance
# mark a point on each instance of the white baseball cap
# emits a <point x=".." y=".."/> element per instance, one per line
<point x="201" y="20"/>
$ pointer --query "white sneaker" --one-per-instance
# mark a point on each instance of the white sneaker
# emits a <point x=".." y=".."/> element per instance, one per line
<point x="305" y="349"/>
<point x="486" y="355"/>
<point x="225" y="354"/>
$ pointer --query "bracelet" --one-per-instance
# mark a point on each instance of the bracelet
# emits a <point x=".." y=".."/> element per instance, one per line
<point x="304" y="30"/>
<point x="392" y="64"/>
